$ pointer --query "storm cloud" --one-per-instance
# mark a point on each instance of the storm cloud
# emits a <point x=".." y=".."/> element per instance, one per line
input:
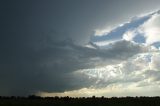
<point x="44" y="43"/>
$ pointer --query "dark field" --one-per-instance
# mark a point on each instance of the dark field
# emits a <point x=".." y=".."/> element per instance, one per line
<point x="67" y="101"/>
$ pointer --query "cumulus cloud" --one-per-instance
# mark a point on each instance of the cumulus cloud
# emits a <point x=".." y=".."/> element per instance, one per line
<point x="151" y="29"/>
<point x="127" y="62"/>
<point x="46" y="69"/>
<point x="155" y="62"/>
<point x="132" y="74"/>
<point x="135" y="69"/>
<point x="129" y="35"/>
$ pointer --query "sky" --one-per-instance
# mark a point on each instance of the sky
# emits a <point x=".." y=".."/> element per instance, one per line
<point x="80" y="48"/>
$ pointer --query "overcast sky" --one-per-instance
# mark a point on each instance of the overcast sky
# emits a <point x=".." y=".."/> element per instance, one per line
<point x="79" y="47"/>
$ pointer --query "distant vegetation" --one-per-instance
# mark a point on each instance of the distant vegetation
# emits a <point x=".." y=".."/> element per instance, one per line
<point x="68" y="101"/>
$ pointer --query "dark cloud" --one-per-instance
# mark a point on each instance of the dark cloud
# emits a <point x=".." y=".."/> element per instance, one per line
<point x="46" y="64"/>
<point x="42" y="42"/>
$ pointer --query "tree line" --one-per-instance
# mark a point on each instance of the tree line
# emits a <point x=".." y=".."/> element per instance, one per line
<point x="33" y="100"/>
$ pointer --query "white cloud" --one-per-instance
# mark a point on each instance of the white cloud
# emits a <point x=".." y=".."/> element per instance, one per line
<point x="155" y="62"/>
<point x="139" y="69"/>
<point x="101" y="32"/>
<point x="129" y="70"/>
<point x="105" y="43"/>
<point x="142" y="29"/>
<point x="151" y="29"/>
<point x="129" y="35"/>
<point x="105" y="31"/>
